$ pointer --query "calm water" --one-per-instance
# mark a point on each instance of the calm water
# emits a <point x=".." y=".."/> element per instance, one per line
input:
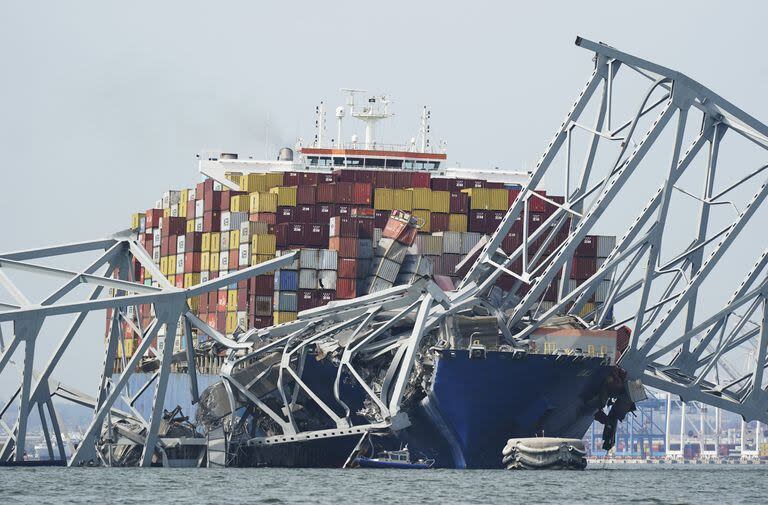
<point x="697" y="485"/>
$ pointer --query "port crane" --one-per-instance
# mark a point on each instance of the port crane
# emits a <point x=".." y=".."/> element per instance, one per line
<point x="671" y="167"/>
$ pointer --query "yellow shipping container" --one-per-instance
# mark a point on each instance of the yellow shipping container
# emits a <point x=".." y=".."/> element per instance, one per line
<point x="182" y="206"/>
<point x="194" y="303"/>
<point x="232" y="299"/>
<point x="215" y="241"/>
<point x="234" y="177"/>
<point x="402" y="199"/>
<point x="253" y="182"/>
<point x="260" y="258"/>
<point x="172" y="265"/>
<point x="191" y="280"/>
<point x="231" y="325"/>
<point x="487" y="199"/>
<point x="457" y="222"/>
<point x="190" y="225"/>
<point x="184" y="197"/>
<point x="383" y="199"/>
<point x="205" y="261"/>
<point x="424" y="219"/>
<point x="422" y="198"/>
<point x="239" y="203"/>
<point x="264" y="244"/>
<point x="205" y="241"/>
<point x="586" y="309"/>
<point x="234" y="239"/>
<point x="283" y="317"/>
<point x="136" y="221"/>
<point x="273" y="180"/>
<point x="166" y="213"/>
<point x="172" y="278"/>
<point x="441" y="202"/>
<point x="263" y="202"/>
<point x="286" y="196"/>
<point x="129" y="345"/>
<point x="214" y="262"/>
<point x="164" y="265"/>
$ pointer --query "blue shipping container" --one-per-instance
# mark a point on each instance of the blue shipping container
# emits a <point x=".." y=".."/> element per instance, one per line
<point x="286" y="280"/>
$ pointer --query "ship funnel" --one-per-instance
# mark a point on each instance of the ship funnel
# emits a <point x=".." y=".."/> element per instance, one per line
<point x="285" y="154"/>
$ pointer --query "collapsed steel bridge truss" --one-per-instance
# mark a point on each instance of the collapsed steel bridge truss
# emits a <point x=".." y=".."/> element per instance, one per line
<point x="661" y="275"/>
<point x="683" y="274"/>
<point x="37" y="388"/>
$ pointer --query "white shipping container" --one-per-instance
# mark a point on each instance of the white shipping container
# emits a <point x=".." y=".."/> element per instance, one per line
<point x="205" y="276"/>
<point x="392" y="249"/>
<point x="156" y="254"/>
<point x="327" y="259"/>
<point x="262" y="305"/>
<point x="605" y="245"/>
<point x="156" y="237"/>
<point x="451" y="241"/>
<point x="224" y="241"/>
<point x="236" y="219"/>
<point x="377" y="233"/>
<point x="223" y="261"/>
<point x="294" y="264"/>
<point x="244" y="255"/>
<point x="199" y="208"/>
<point x="326" y="279"/>
<point x="225" y="221"/>
<point x="180" y="263"/>
<point x="601" y="293"/>
<point x="143" y="224"/>
<point x="199" y="224"/>
<point x="217" y="186"/>
<point x="308" y="258"/>
<point x="431" y="245"/>
<point x="191" y="194"/>
<point x="159" y="204"/>
<point x="469" y="240"/>
<point x="248" y="229"/>
<point x="410" y="263"/>
<point x="175" y="210"/>
<point x="242" y="319"/>
<point x="379" y="284"/>
<point x="181" y="242"/>
<point x="307" y="278"/>
<point x="388" y="270"/>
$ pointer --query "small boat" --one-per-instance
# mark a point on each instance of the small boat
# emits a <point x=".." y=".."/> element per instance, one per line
<point x="394" y="459"/>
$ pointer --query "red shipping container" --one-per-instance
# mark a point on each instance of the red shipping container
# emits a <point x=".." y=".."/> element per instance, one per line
<point x="512" y="196"/>
<point x="346" y="247"/>
<point x="202" y="304"/>
<point x="587" y="247"/>
<point x="326" y="296"/>
<point x="193" y="241"/>
<point x="343" y="226"/>
<point x="384" y="179"/>
<point x="179" y="281"/>
<point x="494" y="185"/>
<point x="308" y="179"/>
<point x="172" y="243"/>
<point x="325" y="178"/>
<point x="583" y="268"/>
<point x="420" y="180"/>
<point x="260" y="321"/>
<point x="364" y="176"/>
<point x="440" y="184"/>
<point x="362" y="193"/>
<point x="306" y="299"/>
<point x="345" y="192"/>
<point x="439" y="222"/>
<point x="152" y="218"/>
<point x="380" y="218"/>
<point x="478" y="221"/>
<point x="305" y="214"/>
<point x="261" y="285"/>
<point x="164" y="246"/>
<point x="291" y="179"/>
<point x="212" y="200"/>
<point x="263" y="217"/>
<point x="316" y="235"/>
<point x="306" y="195"/>
<point x="324" y="213"/>
<point x="474" y="183"/>
<point x="403" y="180"/>
<point x="511" y="242"/>
<point x="459" y="203"/>
<point x="536" y="204"/>
<point x="496" y="217"/>
<point x="346" y="288"/>
<point x="365" y="227"/>
<point x="341" y="210"/>
<point x="286" y="215"/>
<point x="191" y="209"/>
<point x="212" y="220"/>
<point x="326" y="193"/>
<point x="221" y="322"/>
<point x="535" y="220"/>
<point x="234" y="259"/>
<point x="174" y="226"/>
<point x="345" y="175"/>
<point x="221" y="300"/>
<point x="242" y="298"/>
<point x="192" y="262"/>
<point x="458" y="184"/>
<point x="347" y="267"/>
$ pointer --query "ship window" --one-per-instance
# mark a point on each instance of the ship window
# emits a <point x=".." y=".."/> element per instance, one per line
<point x="324" y="162"/>
<point x="432" y="166"/>
<point x="338" y="161"/>
<point x="354" y="161"/>
<point x="418" y="165"/>
<point x="394" y="163"/>
<point x="313" y="160"/>
<point x="408" y="164"/>
<point x="372" y="162"/>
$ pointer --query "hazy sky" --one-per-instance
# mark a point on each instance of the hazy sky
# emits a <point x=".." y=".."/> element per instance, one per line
<point x="103" y="105"/>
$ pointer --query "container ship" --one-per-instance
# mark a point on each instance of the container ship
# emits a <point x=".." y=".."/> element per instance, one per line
<point x="369" y="222"/>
